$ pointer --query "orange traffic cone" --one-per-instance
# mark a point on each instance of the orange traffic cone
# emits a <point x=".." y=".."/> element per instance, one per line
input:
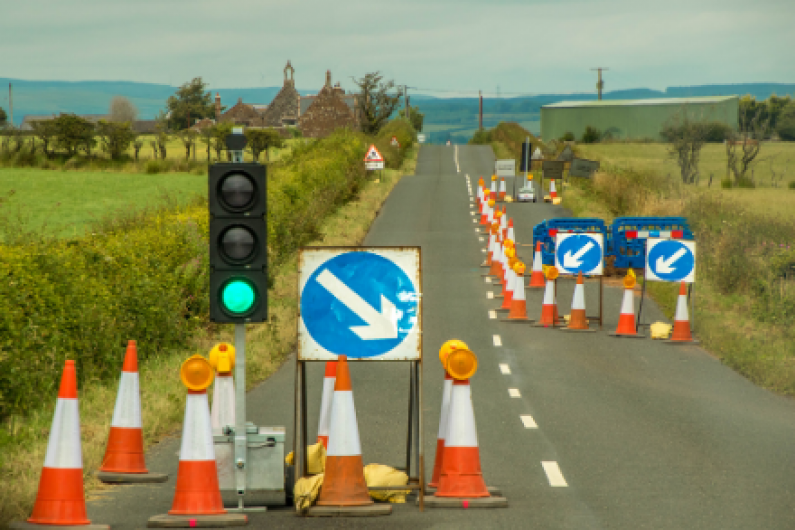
<point x="496" y="269"/>
<point x="501" y="193"/>
<point x="577" y="320"/>
<point x="197" y="491"/>
<point x="537" y="276"/>
<point x="461" y="475"/>
<point x="626" y="320"/>
<point x="510" y="234"/>
<point x="552" y="191"/>
<point x="549" y="308"/>
<point x="60" y="500"/>
<point x="518" y="302"/>
<point x="493" y="189"/>
<point x="325" y="405"/>
<point x="344" y="483"/>
<point x="222" y="412"/>
<point x="484" y="212"/>
<point x="507" y="291"/>
<point x="489" y="251"/>
<point x="681" y="332"/>
<point x="443" y="424"/>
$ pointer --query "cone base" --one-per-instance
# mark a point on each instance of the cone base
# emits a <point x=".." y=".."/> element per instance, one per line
<point x="344" y="483"/>
<point x="675" y="341"/>
<point x="586" y="330"/>
<point x="24" y="525"/>
<point x="197" y="491"/>
<point x="494" y="491"/>
<point x="437" y="465"/>
<point x="197" y="521"/>
<point x="432" y="501"/>
<point x="373" y="510"/>
<point x="60" y="499"/>
<point x="109" y="477"/>
<point x="628" y="335"/>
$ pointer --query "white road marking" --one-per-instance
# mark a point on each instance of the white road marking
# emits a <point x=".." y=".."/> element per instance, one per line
<point x="493" y="315"/>
<point x="481" y="239"/>
<point x="471" y="213"/>
<point x="477" y="229"/>
<point x="474" y="220"/>
<point x="504" y="368"/>
<point x="514" y="393"/>
<point x="528" y="421"/>
<point x="554" y="475"/>
<point x="497" y="340"/>
<point x="488" y="279"/>
<point x="489" y="295"/>
<point x="483" y="250"/>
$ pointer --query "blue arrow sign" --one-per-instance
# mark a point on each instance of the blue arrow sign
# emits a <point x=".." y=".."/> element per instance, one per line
<point x="579" y="253"/>
<point x="359" y="304"/>
<point x="671" y="260"/>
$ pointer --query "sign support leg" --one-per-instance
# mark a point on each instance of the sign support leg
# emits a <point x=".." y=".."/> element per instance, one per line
<point x="601" y="294"/>
<point x="298" y="460"/>
<point x="411" y="419"/>
<point x="420" y="443"/>
<point x="692" y="307"/>
<point x="640" y="309"/>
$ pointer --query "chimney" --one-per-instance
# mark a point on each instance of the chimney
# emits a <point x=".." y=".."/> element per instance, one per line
<point x="217" y="107"/>
<point x="328" y="78"/>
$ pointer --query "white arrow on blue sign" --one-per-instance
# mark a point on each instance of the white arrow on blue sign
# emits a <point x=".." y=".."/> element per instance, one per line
<point x="670" y="260"/>
<point x="576" y="253"/>
<point x="361" y="303"/>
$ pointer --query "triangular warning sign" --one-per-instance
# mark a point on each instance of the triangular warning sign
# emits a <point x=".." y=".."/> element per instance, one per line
<point x="373" y="155"/>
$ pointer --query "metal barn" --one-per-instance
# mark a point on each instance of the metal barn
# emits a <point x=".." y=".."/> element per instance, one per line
<point x="636" y="119"/>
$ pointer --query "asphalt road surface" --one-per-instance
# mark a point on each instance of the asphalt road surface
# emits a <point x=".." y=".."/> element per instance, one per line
<point x="617" y="433"/>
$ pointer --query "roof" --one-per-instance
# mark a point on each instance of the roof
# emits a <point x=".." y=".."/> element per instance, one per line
<point x="636" y="102"/>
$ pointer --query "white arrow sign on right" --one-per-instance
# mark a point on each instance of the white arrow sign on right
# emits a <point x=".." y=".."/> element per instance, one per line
<point x="574" y="261"/>
<point x="381" y="325"/>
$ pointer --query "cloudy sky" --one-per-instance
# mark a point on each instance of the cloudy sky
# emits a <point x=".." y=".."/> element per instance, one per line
<point x="442" y="47"/>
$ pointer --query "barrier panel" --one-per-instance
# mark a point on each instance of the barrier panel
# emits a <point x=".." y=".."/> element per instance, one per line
<point x="627" y="237"/>
<point x="546" y="231"/>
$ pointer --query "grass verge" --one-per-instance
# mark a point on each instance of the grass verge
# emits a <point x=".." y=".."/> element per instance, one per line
<point x="163" y="398"/>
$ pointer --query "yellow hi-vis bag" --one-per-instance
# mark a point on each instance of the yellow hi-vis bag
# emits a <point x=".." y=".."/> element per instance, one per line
<point x="315" y="459"/>
<point x="381" y="475"/>
<point x="306" y="491"/>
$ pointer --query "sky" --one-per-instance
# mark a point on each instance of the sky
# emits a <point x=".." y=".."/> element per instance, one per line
<point x="437" y="47"/>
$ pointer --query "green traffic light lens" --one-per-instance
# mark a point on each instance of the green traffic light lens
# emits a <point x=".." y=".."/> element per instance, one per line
<point x="238" y="297"/>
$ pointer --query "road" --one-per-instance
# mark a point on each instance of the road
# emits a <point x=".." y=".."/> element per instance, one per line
<point x="645" y="435"/>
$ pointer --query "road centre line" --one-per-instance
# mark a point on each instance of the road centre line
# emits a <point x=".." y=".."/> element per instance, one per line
<point x="554" y="474"/>
<point x="481" y="239"/>
<point x="488" y="279"/>
<point x="528" y="421"/>
<point x="505" y="369"/>
<point x="493" y="315"/>
<point x="489" y="295"/>
<point x="497" y="340"/>
<point x="514" y="393"/>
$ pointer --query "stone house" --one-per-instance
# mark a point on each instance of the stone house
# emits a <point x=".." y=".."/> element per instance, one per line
<point x="239" y="114"/>
<point x="330" y="109"/>
<point x="284" y="109"/>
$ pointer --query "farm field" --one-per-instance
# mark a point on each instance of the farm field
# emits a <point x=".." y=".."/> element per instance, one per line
<point x="778" y="201"/>
<point x="68" y="201"/>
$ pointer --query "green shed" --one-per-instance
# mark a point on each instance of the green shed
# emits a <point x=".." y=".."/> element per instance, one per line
<point x="635" y="119"/>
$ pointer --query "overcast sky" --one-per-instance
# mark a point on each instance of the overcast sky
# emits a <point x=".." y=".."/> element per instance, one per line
<point x="520" y="46"/>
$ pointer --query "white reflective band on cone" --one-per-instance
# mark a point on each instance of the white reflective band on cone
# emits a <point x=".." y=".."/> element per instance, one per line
<point x="518" y="287"/>
<point x="343" y="438"/>
<point x="325" y="408"/>
<point x="446" y="391"/>
<point x="197" y="434"/>
<point x="628" y="303"/>
<point x="510" y="276"/>
<point x="511" y="234"/>
<point x="579" y="297"/>
<point x="461" y="431"/>
<point x="681" y="309"/>
<point x="127" y="412"/>
<point x="549" y="295"/>
<point x="63" y="447"/>
<point x="223" y="410"/>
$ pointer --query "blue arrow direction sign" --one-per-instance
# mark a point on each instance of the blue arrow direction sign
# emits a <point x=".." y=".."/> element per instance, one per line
<point x="359" y="304"/>
<point x="576" y="253"/>
<point x="670" y="260"/>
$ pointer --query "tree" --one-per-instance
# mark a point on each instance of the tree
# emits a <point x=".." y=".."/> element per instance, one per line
<point x="72" y="133"/>
<point x="376" y="105"/>
<point x="191" y="99"/>
<point x="219" y="133"/>
<point x="138" y="143"/>
<point x="786" y="123"/>
<point x="260" y="140"/>
<point x="47" y="133"/>
<point x="115" y="137"/>
<point x="122" y="110"/>
<point x="687" y="136"/>
<point x="188" y="138"/>
<point x="415" y="117"/>
<point x="591" y="135"/>
<point x="3" y="117"/>
<point x="207" y="139"/>
<point x="752" y="131"/>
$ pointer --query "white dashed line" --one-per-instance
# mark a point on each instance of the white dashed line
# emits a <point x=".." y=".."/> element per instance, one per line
<point x="483" y="250"/>
<point x="504" y="368"/>
<point x="489" y="295"/>
<point x="488" y="279"/>
<point x="493" y="315"/>
<point x="497" y="340"/>
<point x="514" y="393"/>
<point x="477" y="229"/>
<point x="528" y="421"/>
<point x="474" y="220"/>
<point x="554" y="475"/>
<point x="481" y="239"/>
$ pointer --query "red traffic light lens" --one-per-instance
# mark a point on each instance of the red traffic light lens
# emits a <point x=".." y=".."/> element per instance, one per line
<point x="237" y="192"/>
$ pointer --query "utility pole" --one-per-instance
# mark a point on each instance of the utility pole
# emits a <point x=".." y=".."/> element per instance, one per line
<point x="406" y="101"/>
<point x="600" y="84"/>
<point x="10" y="106"/>
<point x="480" y="112"/>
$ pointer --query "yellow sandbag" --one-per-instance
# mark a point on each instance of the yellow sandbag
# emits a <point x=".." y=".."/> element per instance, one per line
<point x="660" y="330"/>
<point x="556" y="200"/>
<point x="315" y="459"/>
<point x="306" y="491"/>
<point x="381" y="475"/>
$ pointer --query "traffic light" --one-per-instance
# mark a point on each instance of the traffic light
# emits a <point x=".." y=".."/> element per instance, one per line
<point x="238" y="243"/>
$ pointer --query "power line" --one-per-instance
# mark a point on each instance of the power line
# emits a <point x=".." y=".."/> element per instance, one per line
<point x="496" y="94"/>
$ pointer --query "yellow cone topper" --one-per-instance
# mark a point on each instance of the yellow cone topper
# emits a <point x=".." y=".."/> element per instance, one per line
<point x="196" y="373"/>
<point x="222" y="357"/>
<point x="461" y="364"/>
<point x="629" y="279"/>
<point x="449" y="346"/>
<point x="552" y="273"/>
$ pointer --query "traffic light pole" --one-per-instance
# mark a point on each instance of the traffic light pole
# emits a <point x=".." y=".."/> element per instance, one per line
<point x="241" y="436"/>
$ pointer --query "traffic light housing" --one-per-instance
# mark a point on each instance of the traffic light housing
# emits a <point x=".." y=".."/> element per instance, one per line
<point x="238" y="243"/>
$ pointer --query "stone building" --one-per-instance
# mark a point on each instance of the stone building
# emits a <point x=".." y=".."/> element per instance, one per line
<point x="330" y="109"/>
<point x="239" y="114"/>
<point x="284" y="109"/>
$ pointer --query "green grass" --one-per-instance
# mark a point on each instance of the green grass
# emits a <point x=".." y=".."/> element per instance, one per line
<point x="68" y="201"/>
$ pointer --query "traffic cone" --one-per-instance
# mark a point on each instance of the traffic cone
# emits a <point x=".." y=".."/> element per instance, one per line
<point x="60" y="500"/>
<point x="443" y="424"/>
<point x="124" y="453"/>
<point x="518" y="309"/>
<point x="344" y="483"/>
<point x="325" y="405"/>
<point x="552" y="191"/>
<point x="197" y="491"/>
<point x="461" y="475"/>
<point x="537" y="276"/>
<point x="493" y="189"/>
<point x="495" y="269"/>
<point x="681" y="332"/>
<point x="577" y="320"/>
<point x="510" y="234"/>
<point x="501" y="194"/>
<point x="223" y="408"/>
<point x="508" y="290"/>
<point x="484" y="211"/>
<point x="626" y="320"/>
<point x="549" y="307"/>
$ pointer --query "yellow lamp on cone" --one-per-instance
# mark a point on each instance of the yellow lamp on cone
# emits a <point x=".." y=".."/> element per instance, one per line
<point x="222" y="357"/>
<point x="552" y="273"/>
<point x="448" y="347"/>
<point x="461" y="364"/>
<point x="629" y="279"/>
<point x="196" y="373"/>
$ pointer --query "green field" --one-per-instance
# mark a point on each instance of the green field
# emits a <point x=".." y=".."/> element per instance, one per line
<point x="64" y="203"/>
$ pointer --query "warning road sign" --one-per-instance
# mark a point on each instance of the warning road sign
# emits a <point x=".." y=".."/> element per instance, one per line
<point x="579" y="253"/>
<point x="670" y="260"/>
<point x="373" y="155"/>
<point x="395" y="141"/>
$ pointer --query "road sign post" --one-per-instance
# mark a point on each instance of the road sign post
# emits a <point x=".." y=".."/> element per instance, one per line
<point x="365" y="303"/>
<point x="581" y="252"/>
